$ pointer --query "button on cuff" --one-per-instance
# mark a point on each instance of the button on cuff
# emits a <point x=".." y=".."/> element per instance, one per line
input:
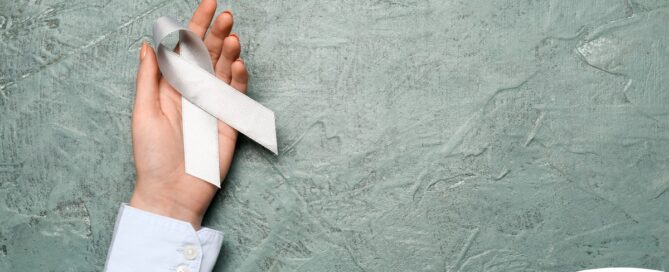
<point x="190" y="252"/>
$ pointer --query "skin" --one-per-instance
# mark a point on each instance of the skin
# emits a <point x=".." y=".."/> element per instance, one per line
<point x="162" y="185"/>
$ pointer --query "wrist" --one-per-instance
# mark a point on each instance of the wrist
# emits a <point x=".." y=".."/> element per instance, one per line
<point x="166" y="207"/>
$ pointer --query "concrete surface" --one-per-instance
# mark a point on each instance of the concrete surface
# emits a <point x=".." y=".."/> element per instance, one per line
<point x="417" y="135"/>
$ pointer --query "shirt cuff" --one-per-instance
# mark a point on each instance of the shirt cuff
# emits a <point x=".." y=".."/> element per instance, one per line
<point x="144" y="241"/>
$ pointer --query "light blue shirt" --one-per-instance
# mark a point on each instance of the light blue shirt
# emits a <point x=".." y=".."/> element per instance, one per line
<point x="148" y="242"/>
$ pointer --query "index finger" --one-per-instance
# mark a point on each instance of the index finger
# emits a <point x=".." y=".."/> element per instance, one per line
<point x="202" y="17"/>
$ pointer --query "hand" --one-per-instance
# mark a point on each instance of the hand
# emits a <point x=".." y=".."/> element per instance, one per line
<point x="162" y="186"/>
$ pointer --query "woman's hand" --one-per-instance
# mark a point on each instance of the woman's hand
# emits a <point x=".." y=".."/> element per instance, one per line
<point x="162" y="186"/>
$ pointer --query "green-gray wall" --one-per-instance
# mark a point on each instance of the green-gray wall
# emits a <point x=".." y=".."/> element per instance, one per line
<point x="419" y="135"/>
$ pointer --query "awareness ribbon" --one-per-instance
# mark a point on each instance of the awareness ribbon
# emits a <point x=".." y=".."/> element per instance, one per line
<point x="206" y="98"/>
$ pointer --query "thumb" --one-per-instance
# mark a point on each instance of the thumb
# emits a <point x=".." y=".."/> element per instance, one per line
<point x="148" y="77"/>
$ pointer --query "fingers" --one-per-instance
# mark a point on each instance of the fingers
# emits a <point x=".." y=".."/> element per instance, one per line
<point x="240" y="77"/>
<point x="227" y="136"/>
<point x="202" y="16"/>
<point x="148" y="77"/>
<point x="232" y="70"/>
<point x="219" y="31"/>
<point x="229" y="53"/>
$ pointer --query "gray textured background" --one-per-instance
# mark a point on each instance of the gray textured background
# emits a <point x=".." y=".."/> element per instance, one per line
<point x="468" y="135"/>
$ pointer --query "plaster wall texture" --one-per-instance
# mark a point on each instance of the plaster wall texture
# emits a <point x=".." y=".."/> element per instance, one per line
<point x="418" y="135"/>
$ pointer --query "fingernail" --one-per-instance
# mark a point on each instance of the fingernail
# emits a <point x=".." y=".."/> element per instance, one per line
<point x="234" y="35"/>
<point x="142" y="52"/>
<point x="228" y="12"/>
<point x="240" y="60"/>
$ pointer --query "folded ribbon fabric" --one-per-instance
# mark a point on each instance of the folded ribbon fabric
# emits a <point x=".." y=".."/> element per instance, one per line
<point x="206" y="98"/>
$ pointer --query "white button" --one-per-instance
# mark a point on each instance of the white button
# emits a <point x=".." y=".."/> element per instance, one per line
<point x="189" y="252"/>
<point x="183" y="268"/>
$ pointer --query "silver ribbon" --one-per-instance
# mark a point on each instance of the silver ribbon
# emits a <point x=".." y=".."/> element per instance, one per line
<point x="206" y="98"/>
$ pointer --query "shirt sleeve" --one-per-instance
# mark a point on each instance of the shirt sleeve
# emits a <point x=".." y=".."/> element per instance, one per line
<point x="147" y="242"/>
